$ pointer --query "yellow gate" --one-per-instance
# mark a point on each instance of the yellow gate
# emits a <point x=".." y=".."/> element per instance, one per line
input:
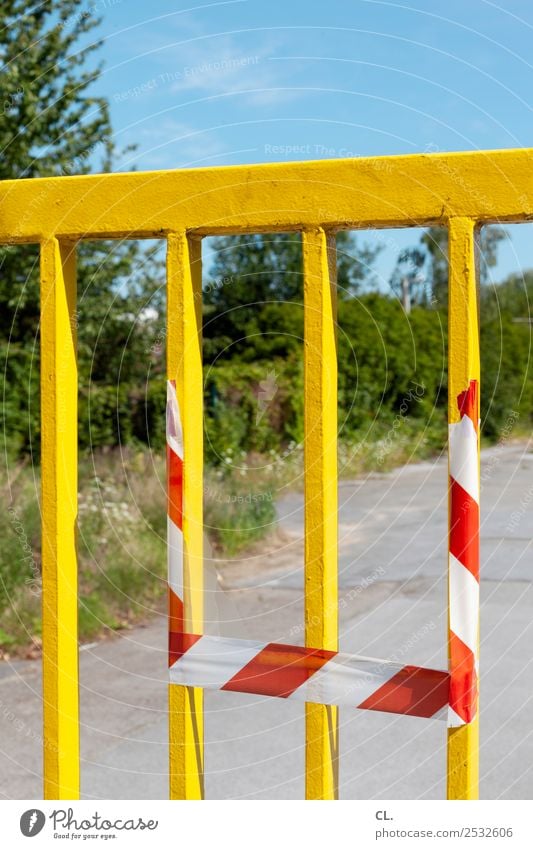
<point x="460" y="191"/>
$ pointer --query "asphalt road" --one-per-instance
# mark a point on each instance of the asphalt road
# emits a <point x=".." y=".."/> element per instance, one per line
<point x="392" y="535"/>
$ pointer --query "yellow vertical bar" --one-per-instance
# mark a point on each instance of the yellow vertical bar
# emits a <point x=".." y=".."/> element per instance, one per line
<point x="320" y="386"/>
<point x="184" y="364"/>
<point x="463" y="366"/>
<point x="59" y="487"/>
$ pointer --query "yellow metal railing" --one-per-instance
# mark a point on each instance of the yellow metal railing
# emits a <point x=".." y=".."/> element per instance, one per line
<point x="460" y="191"/>
<point x="184" y="364"/>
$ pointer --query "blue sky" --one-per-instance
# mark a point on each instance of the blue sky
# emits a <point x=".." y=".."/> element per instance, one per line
<point x="248" y="81"/>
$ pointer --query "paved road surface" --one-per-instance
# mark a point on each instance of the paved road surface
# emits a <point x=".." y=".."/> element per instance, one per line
<point x="392" y="604"/>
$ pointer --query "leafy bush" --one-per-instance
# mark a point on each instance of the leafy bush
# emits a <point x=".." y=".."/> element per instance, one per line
<point x="506" y="376"/>
<point x="255" y="409"/>
<point x="388" y="360"/>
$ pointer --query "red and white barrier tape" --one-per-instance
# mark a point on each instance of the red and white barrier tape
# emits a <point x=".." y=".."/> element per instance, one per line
<point x="275" y="669"/>
<point x="464" y="558"/>
<point x="174" y="510"/>
<point x="307" y="675"/>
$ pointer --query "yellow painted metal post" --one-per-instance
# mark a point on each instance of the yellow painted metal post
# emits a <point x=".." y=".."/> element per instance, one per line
<point x="59" y="485"/>
<point x="184" y="364"/>
<point x="463" y="366"/>
<point x="321" y="598"/>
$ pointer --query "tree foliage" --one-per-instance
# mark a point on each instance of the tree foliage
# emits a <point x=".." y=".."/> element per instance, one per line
<point x="253" y="298"/>
<point x="53" y="125"/>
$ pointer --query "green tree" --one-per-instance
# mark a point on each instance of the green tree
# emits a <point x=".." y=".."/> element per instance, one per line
<point x="253" y="297"/>
<point x="53" y="125"/>
<point x="506" y="355"/>
<point x="512" y="297"/>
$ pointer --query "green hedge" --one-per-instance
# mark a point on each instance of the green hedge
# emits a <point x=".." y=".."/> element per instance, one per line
<point x="389" y="365"/>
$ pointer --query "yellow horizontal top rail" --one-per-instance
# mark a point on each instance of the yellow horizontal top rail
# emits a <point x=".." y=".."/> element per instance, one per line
<point x="390" y="191"/>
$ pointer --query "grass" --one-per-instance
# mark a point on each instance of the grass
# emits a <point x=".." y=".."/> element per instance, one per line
<point x="237" y="511"/>
<point x="121" y="542"/>
<point x="121" y="547"/>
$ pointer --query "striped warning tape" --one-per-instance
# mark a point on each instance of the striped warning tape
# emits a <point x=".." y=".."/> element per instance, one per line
<point x="174" y="510"/>
<point x="275" y="669"/>
<point x="464" y="558"/>
<point x="307" y="675"/>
